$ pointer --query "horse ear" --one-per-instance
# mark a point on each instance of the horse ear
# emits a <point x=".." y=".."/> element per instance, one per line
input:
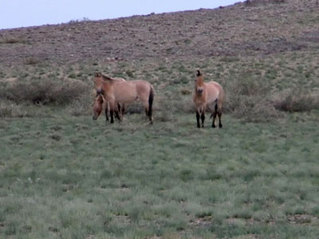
<point x="97" y="74"/>
<point x="198" y="73"/>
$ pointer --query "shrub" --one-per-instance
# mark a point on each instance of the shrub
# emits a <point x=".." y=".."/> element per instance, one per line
<point x="297" y="101"/>
<point x="45" y="91"/>
<point x="10" y="109"/>
<point x="250" y="100"/>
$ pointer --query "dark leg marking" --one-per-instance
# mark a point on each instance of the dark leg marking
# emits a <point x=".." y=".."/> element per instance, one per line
<point x="197" y="118"/>
<point x="203" y="119"/>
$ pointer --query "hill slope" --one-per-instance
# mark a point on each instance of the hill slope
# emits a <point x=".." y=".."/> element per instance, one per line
<point x="236" y="30"/>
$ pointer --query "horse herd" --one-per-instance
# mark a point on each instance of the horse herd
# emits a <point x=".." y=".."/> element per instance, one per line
<point x="114" y="94"/>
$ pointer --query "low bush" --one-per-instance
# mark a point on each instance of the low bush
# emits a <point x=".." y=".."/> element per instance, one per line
<point x="297" y="101"/>
<point x="248" y="99"/>
<point x="43" y="91"/>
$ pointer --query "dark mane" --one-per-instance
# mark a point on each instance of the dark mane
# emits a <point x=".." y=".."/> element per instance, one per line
<point x="99" y="74"/>
<point x="198" y="73"/>
<point x="106" y="77"/>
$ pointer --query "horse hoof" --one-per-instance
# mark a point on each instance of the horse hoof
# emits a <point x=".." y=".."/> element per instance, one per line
<point x="213" y="126"/>
<point x="220" y="126"/>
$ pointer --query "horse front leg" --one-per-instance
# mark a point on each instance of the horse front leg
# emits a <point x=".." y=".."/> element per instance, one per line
<point x="112" y="112"/>
<point x="197" y="118"/>
<point x="203" y="118"/>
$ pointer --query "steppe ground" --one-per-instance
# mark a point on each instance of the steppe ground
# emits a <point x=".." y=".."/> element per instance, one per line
<point x="63" y="175"/>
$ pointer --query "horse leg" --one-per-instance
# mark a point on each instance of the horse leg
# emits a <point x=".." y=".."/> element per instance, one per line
<point x="150" y="104"/>
<point x="112" y="115"/>
<point x="203" y="118"/>
<point x="214" y="116"/>
<point x="123" y="110"/>
<point x="106" y="112"/>
<point x="220" y="119"/>
<point x="118" y="112"/>
<point x="197" y="118"/>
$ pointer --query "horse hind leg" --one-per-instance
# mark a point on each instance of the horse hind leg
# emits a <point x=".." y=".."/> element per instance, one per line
<point x="203" y="118"/>
<point x="118" y="112"/>
<point x="214" y="114"/>
<point x="220" y="119"/>
<point x="150" y="105"/>
<point x="218" y="109"/>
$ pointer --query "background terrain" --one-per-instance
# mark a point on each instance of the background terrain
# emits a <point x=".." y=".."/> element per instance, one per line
<point x="63" y="175"/>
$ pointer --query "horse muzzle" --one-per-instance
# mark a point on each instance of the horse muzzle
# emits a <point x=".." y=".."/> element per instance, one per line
<point x="99" y="92"/>
<point x="200" y="91"/>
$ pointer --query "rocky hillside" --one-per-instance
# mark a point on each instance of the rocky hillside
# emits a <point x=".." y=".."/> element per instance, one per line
<point x="261" y="27"/>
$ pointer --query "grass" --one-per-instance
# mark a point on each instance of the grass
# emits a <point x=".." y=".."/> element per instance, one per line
<point x="63" y="175"/>
<point x="81" y="178"/>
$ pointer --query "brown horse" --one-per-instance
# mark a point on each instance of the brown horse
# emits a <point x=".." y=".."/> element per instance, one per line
<point x="101" y="104"/>
<point x="124" y="92"/>
<point x="98" y="106"/>
<point x="207" y="96"/>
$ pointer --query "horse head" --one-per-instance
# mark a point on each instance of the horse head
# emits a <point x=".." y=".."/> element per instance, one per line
<point x="99" y="82"/>
<point x="98" y="106"/>
<point x="199" y="83"/>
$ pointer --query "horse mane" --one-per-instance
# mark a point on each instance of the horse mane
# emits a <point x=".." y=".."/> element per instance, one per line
<point x="199" y="76"/>
<point x="105" y="77"/>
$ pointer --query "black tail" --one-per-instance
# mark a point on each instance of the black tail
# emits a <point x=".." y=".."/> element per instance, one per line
<point x="150" y="103"/>
<point x="216" y="108"/>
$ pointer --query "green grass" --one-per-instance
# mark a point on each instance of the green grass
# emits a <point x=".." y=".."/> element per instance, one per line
<point x="63" y="175"/>
<point x="71" y="177"/>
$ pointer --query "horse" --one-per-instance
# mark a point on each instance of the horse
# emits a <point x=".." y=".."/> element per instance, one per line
<point x="98" y="106"/>
<point x="100" y="103"/>
<point x="209" y="96"/>
<point x="124" y="92"/>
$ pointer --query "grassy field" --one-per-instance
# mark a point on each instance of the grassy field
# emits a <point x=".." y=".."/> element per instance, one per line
<point x="63" y="175"/>
<point x="71" y="177"/>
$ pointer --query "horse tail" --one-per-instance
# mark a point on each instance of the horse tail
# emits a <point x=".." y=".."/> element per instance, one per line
<point x="221" y="99"/>
<point x="150" y="102"/>
<point x="215" y="109"/>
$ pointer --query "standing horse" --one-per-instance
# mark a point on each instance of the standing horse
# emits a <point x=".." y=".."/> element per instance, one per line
<point x="124" y="92"/>
<point x="100" y="103"/>
<point x="210" y="96"/>
<point x="98" y="106"/>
